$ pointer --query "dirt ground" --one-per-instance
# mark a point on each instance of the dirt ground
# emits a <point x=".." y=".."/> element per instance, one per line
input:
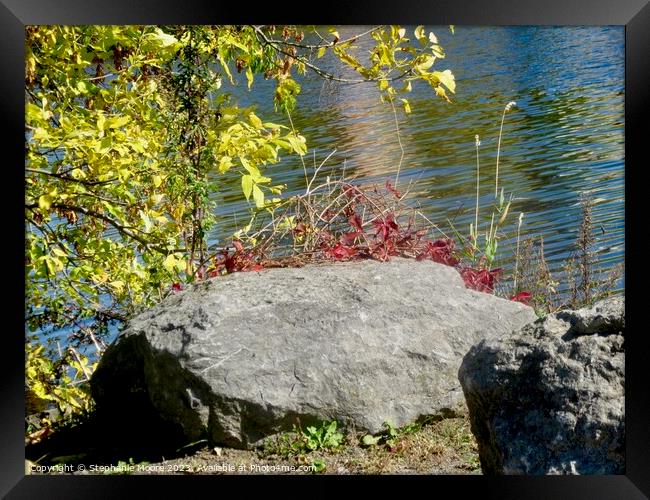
<point x="443" y="447"/>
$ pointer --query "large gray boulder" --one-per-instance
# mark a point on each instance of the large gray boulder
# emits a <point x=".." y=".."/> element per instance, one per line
<point x="550" y="398"/>
<point x="240" y="357"/>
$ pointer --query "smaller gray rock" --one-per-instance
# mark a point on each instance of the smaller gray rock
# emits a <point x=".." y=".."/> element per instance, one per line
<point x="550" y="398"/>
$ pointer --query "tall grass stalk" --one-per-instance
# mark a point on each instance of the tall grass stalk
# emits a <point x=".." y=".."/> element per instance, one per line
<point x="503" y="117"/>
<point x="521" y="218"/>
<point x="478" y="168"/>
<point x="399" y="141"/>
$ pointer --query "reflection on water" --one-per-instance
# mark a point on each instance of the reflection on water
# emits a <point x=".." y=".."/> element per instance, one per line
<point x="566" y="135"/>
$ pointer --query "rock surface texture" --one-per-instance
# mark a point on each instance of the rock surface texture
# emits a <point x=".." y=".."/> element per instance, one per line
<point x="240" y="357"/>
<point x="550" y="398"/>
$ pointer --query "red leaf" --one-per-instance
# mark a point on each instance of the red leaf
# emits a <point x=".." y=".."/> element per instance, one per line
<point x="177" y="287"/>
<point x="523" y="297"/>
<point x="348" y="238"/>
<point x="385" y="226"/>
<point x="355" y="222"/>
<point x="340" y="252"/>
<point x="481" y="280"/>
<point x="440" y="251"/>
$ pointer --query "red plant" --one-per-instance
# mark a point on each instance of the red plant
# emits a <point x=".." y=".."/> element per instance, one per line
<point x="440" y="251"/>
<point x="482" y="280"/>
<point x="523" y="297"/>
<point x="355" y="222"/>
<point x="352" y="191"/>
<point x="383" y="250"/>
<point x="385" y="226"/>
<point x="177" y="287"/>
<point x="392" y="190"/>
<point x="238" y="261"/>
<point x="348" y="238"/>
<point x="340" y="252"/>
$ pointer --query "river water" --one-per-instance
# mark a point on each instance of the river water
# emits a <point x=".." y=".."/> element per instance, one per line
<point x="565" y="136"/>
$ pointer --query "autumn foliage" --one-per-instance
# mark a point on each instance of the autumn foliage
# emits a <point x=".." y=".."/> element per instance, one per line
<point x="361" y="223"/>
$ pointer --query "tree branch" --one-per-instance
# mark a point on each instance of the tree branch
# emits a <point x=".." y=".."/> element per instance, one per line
<point x="266" y="41"/>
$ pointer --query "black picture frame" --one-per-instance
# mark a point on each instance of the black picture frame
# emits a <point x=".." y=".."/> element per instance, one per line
<point x="633" y="14"/>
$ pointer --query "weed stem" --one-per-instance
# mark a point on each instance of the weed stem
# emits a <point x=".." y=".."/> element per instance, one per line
<point x="399" y="140"/>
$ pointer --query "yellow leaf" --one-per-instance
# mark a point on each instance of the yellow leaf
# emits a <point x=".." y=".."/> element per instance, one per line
<point x="255" y="121"/>
<point x="101" y="121"/>
<point x="441" y="93"/>
<point x="426" y="63"/>
<point x="156" y="198"/>
<point x="252" y="169"/>
<point x="419" y="34"/>
<point x="170" y="262"/>
<point x="164" y="39"/>
<point x="247" y="185"/>
<point x="45" y="202"/>
<point x="446" y="77"/>
<point x="117" y="285"/>
<point x="224" y="164"/>
<point x="258" y="196"/>
<point x="178" y="212"/>
<point x="157" y="180"/>
<point x="249" y="77"/>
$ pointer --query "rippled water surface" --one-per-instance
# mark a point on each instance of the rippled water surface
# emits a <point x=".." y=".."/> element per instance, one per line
<point x="566" y="135"/>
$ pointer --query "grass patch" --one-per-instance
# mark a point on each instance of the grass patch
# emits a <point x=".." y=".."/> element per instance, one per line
<point x="444" y="446"/>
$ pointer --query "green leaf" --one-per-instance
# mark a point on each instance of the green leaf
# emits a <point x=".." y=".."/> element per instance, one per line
<point x="298" y="144"/>
<point x="247" y="185"/>
<point x="258" y="196"/>
<point x="164" y="39"/>
<point x="82" y="86"/>
<point x="370" y="440"/>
